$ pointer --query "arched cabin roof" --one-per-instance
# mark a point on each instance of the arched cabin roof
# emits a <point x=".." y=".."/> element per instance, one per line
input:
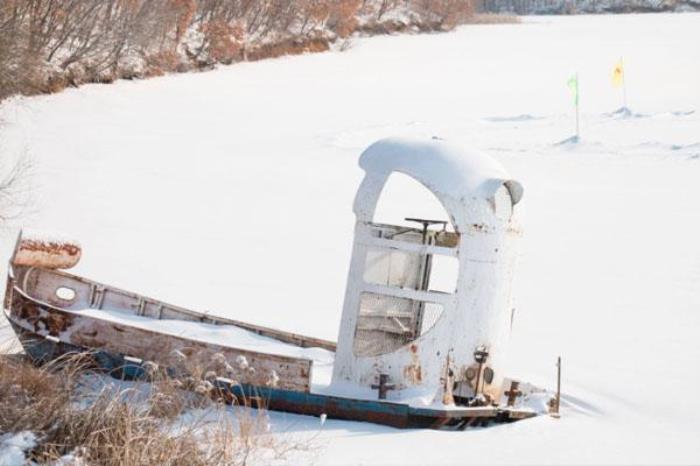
<point x="452" y="174"/>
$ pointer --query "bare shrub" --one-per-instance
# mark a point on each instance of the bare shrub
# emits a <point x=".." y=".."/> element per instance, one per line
<point x="289" y="47"/>
<point x="385" y="6"/>
<point x="16" y="72"/>
<point x="444" y="14"/>
<point x="222" y="40"/>
<point x="343" y="17"/>
<point x="161" y="62"/>
<point x="14" y="190"/>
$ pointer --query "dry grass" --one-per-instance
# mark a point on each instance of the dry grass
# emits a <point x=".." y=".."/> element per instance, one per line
<point x="73" y="410"/>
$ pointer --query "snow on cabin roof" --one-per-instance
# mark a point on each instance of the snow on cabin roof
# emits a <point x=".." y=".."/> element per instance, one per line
<point x="443" y="168"/>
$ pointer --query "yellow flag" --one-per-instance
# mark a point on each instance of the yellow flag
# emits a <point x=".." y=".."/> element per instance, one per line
<point x="618" y="76"/>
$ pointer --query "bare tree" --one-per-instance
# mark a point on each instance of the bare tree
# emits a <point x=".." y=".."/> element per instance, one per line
<point x="443" y="14"/>
<point x="14" y="190"/>
<point x="46" y="45"/>
<point x="13" y="76"/>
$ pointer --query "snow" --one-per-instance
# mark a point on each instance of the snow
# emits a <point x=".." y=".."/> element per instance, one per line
<point x="13" y="446"/>
<point x="55" y="237"/>
<point x="231" y="191"/>
<point x="443" y="168"/>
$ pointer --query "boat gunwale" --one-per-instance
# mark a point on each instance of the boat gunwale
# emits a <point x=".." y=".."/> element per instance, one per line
<point x="9" y="316"/>
<point x="291" y="338"/>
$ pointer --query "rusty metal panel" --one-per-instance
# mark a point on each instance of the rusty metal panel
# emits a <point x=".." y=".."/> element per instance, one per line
<point x="46" y="252"/>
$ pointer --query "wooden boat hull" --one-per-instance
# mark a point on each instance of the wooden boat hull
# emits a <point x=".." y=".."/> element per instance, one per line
<point x="48" y="331"/>
<point x="397" y="415"/>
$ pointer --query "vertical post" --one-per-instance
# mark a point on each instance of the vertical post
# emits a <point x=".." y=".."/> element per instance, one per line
<point x="558" y="383"/>
<point x="478" y="380"/>
<point x="556" y="402"/>
<point x="577" y="113"/>
<point x="624" y="85"/>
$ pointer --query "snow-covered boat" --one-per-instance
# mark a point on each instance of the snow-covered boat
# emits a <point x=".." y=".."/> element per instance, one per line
<point x="407" y="355"/>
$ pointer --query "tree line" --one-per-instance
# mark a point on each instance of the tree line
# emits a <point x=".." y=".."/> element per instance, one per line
<point x="46" y="45"/>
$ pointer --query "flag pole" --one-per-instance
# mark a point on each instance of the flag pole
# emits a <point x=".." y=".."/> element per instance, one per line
<point x="624" y="85"/>
<point x="577" y="97"/>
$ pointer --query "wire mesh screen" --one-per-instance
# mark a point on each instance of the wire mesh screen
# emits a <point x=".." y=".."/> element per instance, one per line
<point x="385" y="323"/>
<point x="394" y="268"/>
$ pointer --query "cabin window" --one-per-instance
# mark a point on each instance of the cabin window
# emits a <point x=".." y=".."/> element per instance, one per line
<point x="65" y="294"/>
<point x="408" y="270"/>
<point x="386" y="323"/>
<point x="391" y="267"/>
<point x="410" y="263"/>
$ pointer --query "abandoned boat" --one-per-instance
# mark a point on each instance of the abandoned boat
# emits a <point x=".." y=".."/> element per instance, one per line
<point x="407" y="355"/>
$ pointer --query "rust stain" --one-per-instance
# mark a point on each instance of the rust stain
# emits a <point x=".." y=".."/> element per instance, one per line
<point x="46" y="254"/>
<point x="479" y="227"/>
<point x="28" y="311"/>
<point x="514" y="230"/>
<point x="40" y="319"/>
<point x="49" y="247"/>
<point x="57" y="323"/>
<point x="413" y="372"/>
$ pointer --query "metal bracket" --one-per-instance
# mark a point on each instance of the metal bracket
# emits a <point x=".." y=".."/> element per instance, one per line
<point x="383" y="386"/>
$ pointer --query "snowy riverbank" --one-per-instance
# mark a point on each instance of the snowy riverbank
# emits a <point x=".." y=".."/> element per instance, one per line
<point x="230" y="191"/>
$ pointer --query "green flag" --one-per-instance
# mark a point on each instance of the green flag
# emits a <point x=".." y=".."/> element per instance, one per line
<point x="573" y="84"/>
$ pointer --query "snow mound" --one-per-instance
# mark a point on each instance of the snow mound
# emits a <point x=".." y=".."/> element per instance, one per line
<point x="682" y="113"/>
<point x="692" y="151"/>
<point x="571" y="141"/>
<point x="624" y="113"/>
<point x="13" y="447"/>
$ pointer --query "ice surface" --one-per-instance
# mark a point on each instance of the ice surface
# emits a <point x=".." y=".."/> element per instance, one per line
<point x="232" y="190"/>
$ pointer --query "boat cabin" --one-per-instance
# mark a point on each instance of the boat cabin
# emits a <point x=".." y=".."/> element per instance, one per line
<point x="401" y="337"/>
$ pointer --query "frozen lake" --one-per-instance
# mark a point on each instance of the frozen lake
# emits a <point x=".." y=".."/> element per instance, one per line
<point x="231" y="191"/>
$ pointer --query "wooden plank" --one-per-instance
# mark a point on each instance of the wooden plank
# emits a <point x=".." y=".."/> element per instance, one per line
<point x="437" y="297"/>
<point x="42" y="284"/>
<point x="422" y="249"/>
<point x="167" y="350"/>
